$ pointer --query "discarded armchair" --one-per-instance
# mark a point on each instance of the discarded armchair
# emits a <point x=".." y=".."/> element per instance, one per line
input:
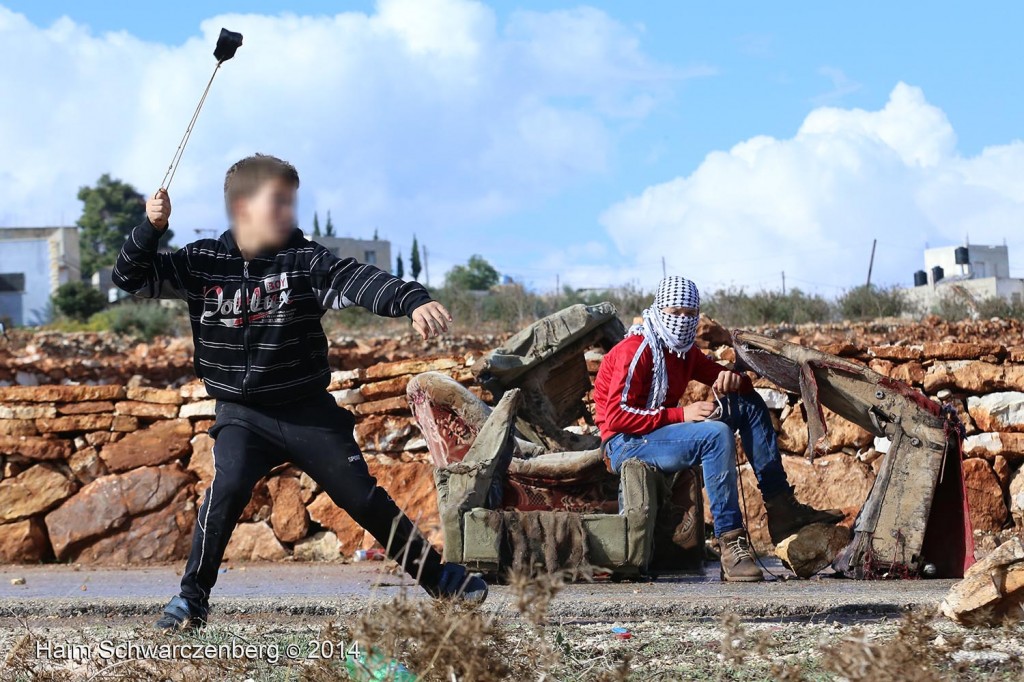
<point x="517" y="490"/>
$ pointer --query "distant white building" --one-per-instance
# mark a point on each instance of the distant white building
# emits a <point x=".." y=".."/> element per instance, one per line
<point x="975" y="271"/>
<point x="34" y="261"/>
<point x="370" y="251"/>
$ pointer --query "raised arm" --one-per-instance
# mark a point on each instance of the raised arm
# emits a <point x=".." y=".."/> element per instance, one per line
<point x="140" y="269"/>
<point x="345" y="282"/>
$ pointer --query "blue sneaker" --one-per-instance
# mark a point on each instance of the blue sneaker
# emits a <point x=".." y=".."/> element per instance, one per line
<point x="178" y="615"/>
<point x="458" y="583"/>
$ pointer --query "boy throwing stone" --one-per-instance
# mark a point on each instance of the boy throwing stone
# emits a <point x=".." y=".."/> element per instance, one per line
<point x="255" y="298"/>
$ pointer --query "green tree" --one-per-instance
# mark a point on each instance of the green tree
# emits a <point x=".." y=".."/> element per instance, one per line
<point x="111" y="209"/>
<point x="868" y="302"/>
<point x="375" y="237"/>
<point x="78" y="300"/>
<point x="316" y="224"/>
<point x="329" y="228"/>
<point x="476" y="275"/>
<point x="415" y="267"/>
<point x="399" y="266"/>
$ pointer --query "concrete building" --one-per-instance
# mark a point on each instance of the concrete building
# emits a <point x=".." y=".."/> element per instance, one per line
<point x="34" y="261"/>
<point x="975" y="272"/>
<point x="370" y="251"/>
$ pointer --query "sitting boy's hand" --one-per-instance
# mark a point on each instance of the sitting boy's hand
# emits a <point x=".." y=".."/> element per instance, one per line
<point x="431" y="319"/>
<point x="698" y="411"/>
<point x="728" y="382"/>
<point x="158" y="209"/>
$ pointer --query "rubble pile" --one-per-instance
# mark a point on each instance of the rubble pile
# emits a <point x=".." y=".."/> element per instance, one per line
<point x="48" y="357"/>
<point x="105" y="455"/>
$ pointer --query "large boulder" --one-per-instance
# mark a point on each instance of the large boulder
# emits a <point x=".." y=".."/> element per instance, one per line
<point x="288" y="515"/>
<point x="149" y="394"/>
<point x="27" y="411"/>
<point x="322" y="546"/>
<point x="201" y="462"/>
<point x="161" y="535"/>
<point x="992" y="591"/>
<point x="60" y="393"/>
<point x="158" y="443"/>
<point x="793" y="433"/>
<point x="974" y="377"/>
<point x="146" y="410"/>
<point x="988" y="445"/>
<point x="86" y="465"/>
<point x="985" y="495"/>
<point x="1016" y="494"/>
<point x="347" y="532"/>
<point x="33" y="491"/>
<point x="1002" y="411"/>
<point x="75" y="422"/>
<point x="254" y="542"/>
<point x="813" y="548"/>
<point x="842" y="433"/>
<point x="23" y="542"/>
<point x="35" y="448"/>
<point x="108" y="504"/>
<point x="948" y="350"/>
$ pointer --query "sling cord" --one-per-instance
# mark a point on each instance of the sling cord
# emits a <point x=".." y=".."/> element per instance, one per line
<point x="173" y="167"/>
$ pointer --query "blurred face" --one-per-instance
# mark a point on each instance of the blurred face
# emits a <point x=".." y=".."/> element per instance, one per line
<point x="265" y="219"/>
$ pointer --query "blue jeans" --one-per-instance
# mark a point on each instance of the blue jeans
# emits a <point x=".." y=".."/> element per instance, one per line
<point x="711" y="444"/>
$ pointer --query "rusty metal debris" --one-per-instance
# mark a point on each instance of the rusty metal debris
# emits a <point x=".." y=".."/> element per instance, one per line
<point x="916" y="513"/>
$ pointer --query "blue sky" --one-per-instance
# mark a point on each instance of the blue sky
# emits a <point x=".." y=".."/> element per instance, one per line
<point x="707" y="76"/>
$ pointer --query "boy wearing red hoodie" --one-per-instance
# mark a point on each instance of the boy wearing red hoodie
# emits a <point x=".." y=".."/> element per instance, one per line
<point x="637" y="394"/>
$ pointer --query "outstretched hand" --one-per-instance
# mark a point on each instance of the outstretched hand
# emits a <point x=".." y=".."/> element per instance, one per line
<point x="431" y="319"/>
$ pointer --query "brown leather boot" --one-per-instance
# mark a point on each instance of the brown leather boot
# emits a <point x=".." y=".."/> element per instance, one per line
<point x="738" y="564"/>
<point x="786" y="516"/>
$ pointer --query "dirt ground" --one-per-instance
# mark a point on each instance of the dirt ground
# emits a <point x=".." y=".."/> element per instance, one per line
<point x="299" y="622"/>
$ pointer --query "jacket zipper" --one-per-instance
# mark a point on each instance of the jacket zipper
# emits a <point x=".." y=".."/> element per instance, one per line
<point x="245" y="327"/>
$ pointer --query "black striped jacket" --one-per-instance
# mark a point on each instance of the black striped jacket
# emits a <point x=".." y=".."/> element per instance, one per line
<point x="256" y="324"/>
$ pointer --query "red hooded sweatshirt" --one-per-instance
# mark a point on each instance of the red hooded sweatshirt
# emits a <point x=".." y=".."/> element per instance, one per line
<point x="621" y="388"/>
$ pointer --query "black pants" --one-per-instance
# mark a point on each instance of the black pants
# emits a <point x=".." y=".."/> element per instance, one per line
<point x="315" y="435"/>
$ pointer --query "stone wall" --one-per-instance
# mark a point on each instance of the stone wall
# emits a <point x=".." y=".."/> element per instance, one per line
<point x="114" y="474"/>
<point x="103" y="471"/>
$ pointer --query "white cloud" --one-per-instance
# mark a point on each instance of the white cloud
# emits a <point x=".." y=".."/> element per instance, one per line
<point x="811" y="204"/>
<point x="424" y="115"/>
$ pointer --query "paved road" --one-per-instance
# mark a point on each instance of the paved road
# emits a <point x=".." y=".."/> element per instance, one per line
<point x="338" y="589"/>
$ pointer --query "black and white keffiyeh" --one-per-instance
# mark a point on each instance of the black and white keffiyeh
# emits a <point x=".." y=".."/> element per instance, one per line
<point x="660" y="330"/>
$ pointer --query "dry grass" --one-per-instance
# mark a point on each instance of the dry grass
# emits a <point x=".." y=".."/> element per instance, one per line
<point x="447" y="641"/>
<point x="444" y="641"/>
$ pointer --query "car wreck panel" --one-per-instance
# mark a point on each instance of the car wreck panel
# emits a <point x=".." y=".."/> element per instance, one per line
<point x="890" y="531"/>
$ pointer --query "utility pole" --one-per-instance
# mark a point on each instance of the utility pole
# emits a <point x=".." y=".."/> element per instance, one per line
<point x="426" y="265"/>
<point x="664" y="273"/>
<point x="558" y="285"/>
<point x="871" y="263"/>
<point x="783" y="282"/>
